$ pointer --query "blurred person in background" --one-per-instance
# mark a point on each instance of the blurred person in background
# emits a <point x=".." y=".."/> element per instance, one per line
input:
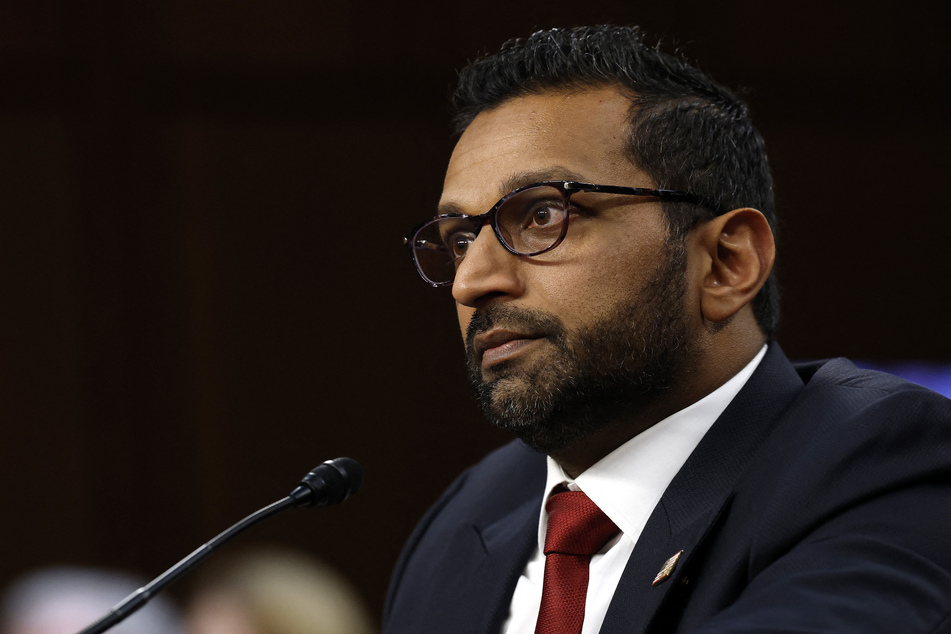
<point x="273" y="591"/>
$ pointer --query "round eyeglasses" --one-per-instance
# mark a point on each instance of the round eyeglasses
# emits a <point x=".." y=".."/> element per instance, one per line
<point x="528" y="221"/>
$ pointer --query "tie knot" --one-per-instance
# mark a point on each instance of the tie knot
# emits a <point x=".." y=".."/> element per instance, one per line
<point x="576" y="526"/>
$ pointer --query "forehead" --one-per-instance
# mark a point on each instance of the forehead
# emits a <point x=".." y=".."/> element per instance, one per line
<point x="579" y="135"/>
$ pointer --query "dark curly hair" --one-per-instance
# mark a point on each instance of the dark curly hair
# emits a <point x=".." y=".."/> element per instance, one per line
<point x="687" y="132"/>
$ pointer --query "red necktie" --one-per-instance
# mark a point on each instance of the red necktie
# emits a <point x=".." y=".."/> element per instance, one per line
<point x="577" y="529"/>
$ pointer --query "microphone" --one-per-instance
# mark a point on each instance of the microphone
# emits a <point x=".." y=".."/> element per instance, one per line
<point x="333" y="482"/>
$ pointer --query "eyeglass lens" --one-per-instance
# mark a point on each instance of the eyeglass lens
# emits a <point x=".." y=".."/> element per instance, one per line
<point x="529" y="222"/>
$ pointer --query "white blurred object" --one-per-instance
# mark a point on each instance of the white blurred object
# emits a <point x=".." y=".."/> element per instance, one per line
<point x="66" y="600"/>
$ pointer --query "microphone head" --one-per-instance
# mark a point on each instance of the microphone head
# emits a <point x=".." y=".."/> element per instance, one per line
<point x="330" y="483"/>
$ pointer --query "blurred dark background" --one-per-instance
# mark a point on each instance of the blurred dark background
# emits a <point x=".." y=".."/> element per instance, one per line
<point x="202" y="288"/>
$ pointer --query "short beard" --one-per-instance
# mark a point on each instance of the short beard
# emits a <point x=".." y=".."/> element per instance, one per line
<point x="592" y="379"/>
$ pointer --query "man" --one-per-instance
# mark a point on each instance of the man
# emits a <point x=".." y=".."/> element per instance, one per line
<point x="607" y="232"/>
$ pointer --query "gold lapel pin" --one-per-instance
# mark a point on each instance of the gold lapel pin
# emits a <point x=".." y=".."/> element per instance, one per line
<point x="667" y="569"/>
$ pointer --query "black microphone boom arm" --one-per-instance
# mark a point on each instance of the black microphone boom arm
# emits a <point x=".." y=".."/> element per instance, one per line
<point x="330" y="483"/>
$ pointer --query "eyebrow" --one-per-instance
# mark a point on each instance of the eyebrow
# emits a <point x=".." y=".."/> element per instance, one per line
<point x="521" y="179"/>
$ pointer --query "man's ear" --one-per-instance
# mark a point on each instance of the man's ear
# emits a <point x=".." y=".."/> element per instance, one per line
<point x="738" y="252"/>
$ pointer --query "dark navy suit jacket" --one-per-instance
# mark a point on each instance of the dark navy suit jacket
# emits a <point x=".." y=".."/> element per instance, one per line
<point x="820" y="501"/>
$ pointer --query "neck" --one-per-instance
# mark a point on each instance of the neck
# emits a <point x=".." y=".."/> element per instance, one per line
<point x="577" y="457"/>
<point x="584" y="452"/>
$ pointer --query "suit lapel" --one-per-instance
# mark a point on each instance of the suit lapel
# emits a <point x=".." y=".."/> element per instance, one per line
<point x="506" y="544"/>
<point x="700" y="494"/>
<point x="652" y="572"/>
<point x="459" y="575"/>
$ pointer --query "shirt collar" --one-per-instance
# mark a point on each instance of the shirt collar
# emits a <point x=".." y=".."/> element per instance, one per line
<point x="628" y="482"/>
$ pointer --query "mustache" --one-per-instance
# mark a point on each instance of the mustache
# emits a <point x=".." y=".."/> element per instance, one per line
<point x="535" y="323"/>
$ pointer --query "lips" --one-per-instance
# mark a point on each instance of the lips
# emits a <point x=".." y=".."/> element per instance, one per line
<point x="498" y="345"/>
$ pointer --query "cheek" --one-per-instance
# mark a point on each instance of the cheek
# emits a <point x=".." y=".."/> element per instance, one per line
<point x="592" y="286"/>
<point x="571" y="294"/>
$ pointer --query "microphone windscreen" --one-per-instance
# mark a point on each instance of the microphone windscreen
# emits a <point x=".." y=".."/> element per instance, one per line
<point x="330" y="483"/>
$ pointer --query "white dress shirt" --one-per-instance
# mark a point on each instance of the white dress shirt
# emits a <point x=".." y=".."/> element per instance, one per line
<point x="626" y="484"/>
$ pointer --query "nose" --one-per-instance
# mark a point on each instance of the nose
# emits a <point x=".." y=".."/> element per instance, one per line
<point x="487" y="271"/>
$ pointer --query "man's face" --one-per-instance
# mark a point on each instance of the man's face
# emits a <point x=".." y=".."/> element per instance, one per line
<point x="562" y="344"/>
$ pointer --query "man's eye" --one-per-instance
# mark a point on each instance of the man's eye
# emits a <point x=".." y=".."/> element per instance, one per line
<point x="543" y="215"/>
<point x="458" y="243"/>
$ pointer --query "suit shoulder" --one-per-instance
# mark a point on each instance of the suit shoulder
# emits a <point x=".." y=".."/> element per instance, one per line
<point x="852" y="392"/>
<point x="850" y="435"/>
<point x="504" y="478"/>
